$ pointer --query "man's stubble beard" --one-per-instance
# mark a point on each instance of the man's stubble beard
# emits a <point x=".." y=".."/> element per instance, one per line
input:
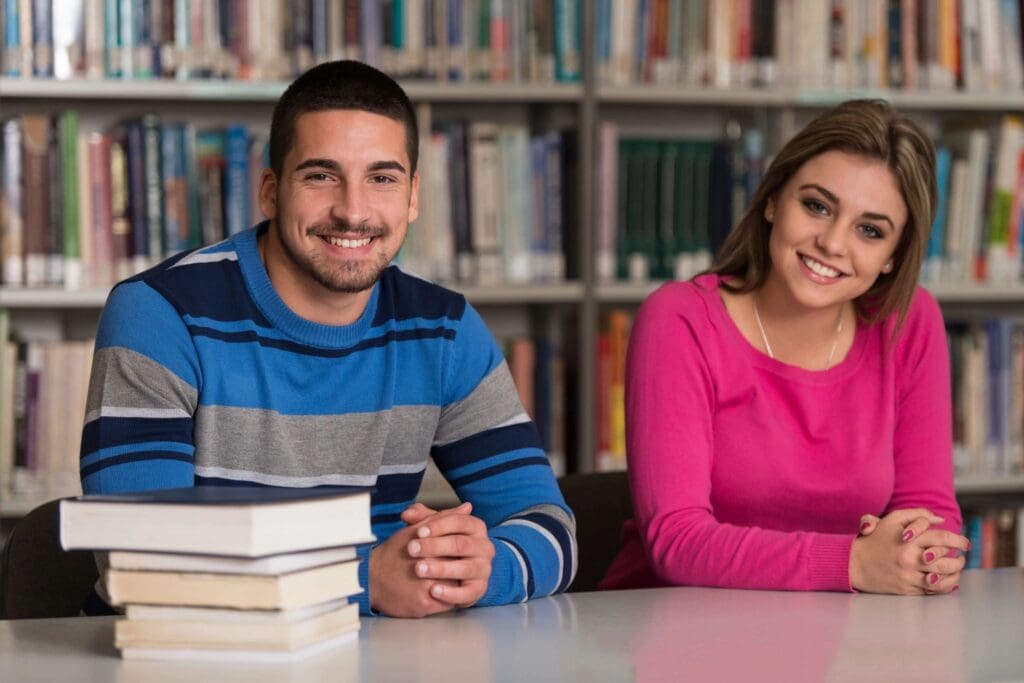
<point x="348" y="278"/>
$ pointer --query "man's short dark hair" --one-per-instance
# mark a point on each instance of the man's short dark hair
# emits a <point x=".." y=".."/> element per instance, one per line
<point x="343" y="84"/>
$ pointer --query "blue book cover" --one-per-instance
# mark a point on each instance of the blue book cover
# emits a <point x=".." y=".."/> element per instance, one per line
<point x="243" y="494"/>
<point x="137" y="193"/>
<point x="42" y="38"/>
<point x="567" y="41"/>
<point x="236" y="178"/>
<point x="173" y="174"/>
<point x="937" y="239"/>
<point x="12" y="39"/>
<point x="455" y="65"/>
<point x="972" y="531"/>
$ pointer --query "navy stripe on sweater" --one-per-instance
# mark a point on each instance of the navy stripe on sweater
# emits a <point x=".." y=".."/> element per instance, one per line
<point x="117" y="431"/>
<point x="485" y="444"/>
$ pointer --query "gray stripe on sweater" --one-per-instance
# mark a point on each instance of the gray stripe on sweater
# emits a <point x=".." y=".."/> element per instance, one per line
<point x="494" y="402"/>
<point x="254" y="442"/>
<point x="124" y="381"/>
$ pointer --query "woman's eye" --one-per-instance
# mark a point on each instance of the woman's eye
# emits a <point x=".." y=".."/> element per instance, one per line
<point x="871" y="231"/>
<point x="815" y="206"/>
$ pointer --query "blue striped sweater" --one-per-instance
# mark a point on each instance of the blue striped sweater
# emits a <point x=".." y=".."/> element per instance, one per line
<point x="202" y="375"/>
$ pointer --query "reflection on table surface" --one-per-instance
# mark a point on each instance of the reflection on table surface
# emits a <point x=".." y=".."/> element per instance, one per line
<point x="668" y="634"/>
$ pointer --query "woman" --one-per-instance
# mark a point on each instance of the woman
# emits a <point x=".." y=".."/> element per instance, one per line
<point x="777" y="403"/>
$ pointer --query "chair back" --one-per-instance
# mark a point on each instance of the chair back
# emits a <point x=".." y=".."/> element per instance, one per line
<point x="602" y="504"/>
<point x="38" y="578"/>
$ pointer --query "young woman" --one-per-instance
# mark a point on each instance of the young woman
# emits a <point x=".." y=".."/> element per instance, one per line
<point x="779" y="403"/>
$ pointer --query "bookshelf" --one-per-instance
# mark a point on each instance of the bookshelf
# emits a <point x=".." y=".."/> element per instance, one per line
<point x="577" y="305"/>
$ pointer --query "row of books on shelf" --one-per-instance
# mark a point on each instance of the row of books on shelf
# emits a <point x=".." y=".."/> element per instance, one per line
<point x="88" y="208"/>
<point x="205" y="573"/>
<point x="843" y="44"/>
<point x="666" y="204"/>
<point x="43" y="389"/>
<point x="987" y="365"/>
<point x="538" y="370"/>
<point x="997" y="537"/>
<point x="269" y="40"/>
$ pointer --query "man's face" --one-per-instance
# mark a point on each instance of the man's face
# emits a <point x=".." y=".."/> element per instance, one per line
<point x="344" y="200"/>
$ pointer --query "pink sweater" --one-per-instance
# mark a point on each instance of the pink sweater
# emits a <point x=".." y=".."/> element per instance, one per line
<point x="747" y="472"/>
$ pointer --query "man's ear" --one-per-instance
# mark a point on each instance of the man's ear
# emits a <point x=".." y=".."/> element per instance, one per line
<point x="414" y="198"/>
<point x="268" y="194"/>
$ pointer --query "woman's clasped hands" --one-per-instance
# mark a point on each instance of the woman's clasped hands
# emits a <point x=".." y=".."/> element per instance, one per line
<point x="904" y="553"/>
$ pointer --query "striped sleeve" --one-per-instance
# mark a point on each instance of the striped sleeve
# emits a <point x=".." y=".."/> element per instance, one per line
<point x="489" y="451"/>
<point x="143" y="393"/>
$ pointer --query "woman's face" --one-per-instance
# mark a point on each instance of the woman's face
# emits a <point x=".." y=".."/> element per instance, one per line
<point x="836" y="224"/>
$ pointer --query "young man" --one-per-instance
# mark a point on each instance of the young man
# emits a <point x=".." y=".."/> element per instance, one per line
<point x="293" y="355"/>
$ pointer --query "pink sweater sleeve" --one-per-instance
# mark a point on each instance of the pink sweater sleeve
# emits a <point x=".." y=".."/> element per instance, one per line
<point x="670" y="396"/>
<point x="923" y="443"/>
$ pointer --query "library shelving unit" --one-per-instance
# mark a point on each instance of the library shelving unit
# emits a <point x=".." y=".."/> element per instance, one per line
<point x="579" y="107"/>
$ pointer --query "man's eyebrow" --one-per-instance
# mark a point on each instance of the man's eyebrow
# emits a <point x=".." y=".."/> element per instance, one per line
<point x="835" y="200"/>
<point x="329" y="164"/>
<point x="386" y="166"/>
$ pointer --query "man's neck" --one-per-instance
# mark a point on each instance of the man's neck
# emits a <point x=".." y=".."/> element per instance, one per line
<point x="305" y="297"/>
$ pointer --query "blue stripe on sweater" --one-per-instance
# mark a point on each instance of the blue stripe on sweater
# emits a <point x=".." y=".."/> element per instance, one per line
<point x="485" y="445"/>
<point x="94" y="458"/>
<point x="231" y="327"/>
<point x="283" y="344"/>
<point x="359" y="383"/>
<point x="539" y="460"/>
<point x="561" y="535"/>
<point x="531" y="587"/>
<point x="140" y="472"/>
<point x="138" y="318"/>
<point x="114" y="431"/>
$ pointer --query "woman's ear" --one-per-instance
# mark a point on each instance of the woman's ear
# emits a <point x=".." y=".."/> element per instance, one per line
<point x="887" y="268"/>
<point x="769" y="210"/>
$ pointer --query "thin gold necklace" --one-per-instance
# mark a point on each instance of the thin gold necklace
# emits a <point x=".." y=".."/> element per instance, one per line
<point x="768" y="347"/>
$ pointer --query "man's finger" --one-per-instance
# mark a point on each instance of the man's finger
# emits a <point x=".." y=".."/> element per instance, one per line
<point x="459" y="596"/>
<point x="445" y="525"/>
<point x="451" y="545"/>
<point x="416" y="513"/>
<point x="458" y="570"/>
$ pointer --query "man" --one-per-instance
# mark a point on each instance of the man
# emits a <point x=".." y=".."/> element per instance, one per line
<point x="293" y="355"/>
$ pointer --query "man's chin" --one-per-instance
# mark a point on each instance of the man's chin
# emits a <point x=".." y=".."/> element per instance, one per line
<point x="350" y="283"/>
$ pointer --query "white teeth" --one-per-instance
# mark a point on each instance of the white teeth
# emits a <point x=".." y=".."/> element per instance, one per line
<point x="348" y="244"/>
<point x="820" y="268"/>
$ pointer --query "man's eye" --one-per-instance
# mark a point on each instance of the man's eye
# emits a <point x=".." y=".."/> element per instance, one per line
<point x="383" y="179"/>
<point x="318" y="177"/>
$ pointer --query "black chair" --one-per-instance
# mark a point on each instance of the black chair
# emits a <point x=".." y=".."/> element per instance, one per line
<point x="602" y="504"/>
<point x="38" y="578"/>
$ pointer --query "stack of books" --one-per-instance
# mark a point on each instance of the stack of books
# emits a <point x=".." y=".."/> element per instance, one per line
<point x="227" y="572"/>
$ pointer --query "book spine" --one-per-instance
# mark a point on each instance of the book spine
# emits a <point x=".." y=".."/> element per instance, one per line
<point x="68" y="39"/>
<point x="12" y="240"/>
<point x="236" y="193"/>
<point x="36" y="191"/>
<point x="153" y="181"/>
<point x="120" y="220"/>
<point x="137" y="199"/>
<point x="55" y="215"/>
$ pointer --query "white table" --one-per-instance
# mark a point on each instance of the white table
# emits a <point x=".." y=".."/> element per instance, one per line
<point x="669" y="634"/>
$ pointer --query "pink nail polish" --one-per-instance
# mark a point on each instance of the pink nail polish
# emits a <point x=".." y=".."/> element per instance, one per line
<point x="907" y="535"/>
<point x="929" y="556"/>
<point x="933" y="579"/>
